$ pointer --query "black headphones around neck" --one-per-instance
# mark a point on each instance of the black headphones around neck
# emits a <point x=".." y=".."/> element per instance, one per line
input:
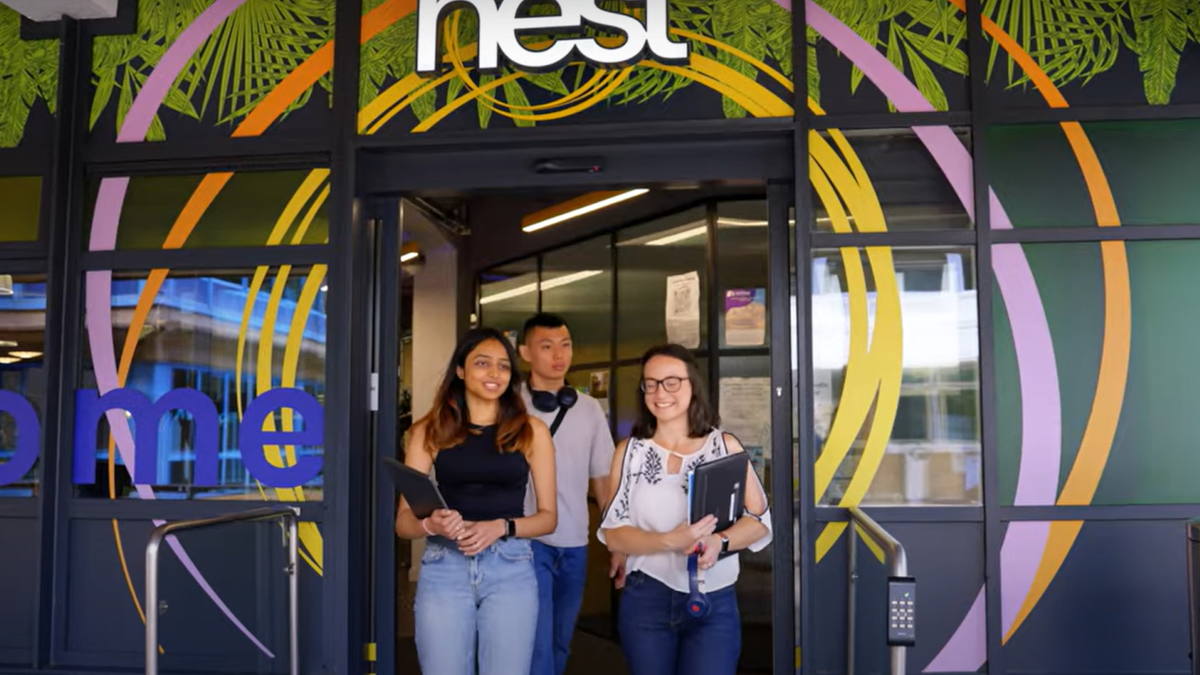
<point x="548" y="402"/>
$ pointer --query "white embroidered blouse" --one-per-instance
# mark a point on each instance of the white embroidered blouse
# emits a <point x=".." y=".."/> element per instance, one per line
<point x="653" y="500"/>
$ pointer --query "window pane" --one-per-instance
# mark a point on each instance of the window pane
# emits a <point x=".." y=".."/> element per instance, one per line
<point x="22" y="373"/>
<point x="577" y="285"/>
<point x="228" y="340"/>
<point x="742" y="272"/>
<point x="895" y="359"/>
<point x="648" y="256"/>
<point x="1147" y="168"/>
<point x="1147" y="455"/>
<point x="911" y="190"/>
<point x="508" y="296"/>
<point x="22" y="200"/>
<point x="248" y="208"/>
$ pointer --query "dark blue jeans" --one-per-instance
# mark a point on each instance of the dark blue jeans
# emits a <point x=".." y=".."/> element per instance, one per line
<point x="561" y="573"/>
<point x="659" y="637"/>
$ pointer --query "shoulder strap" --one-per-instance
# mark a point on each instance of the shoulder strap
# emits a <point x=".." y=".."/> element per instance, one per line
<point x="558" y="420"/>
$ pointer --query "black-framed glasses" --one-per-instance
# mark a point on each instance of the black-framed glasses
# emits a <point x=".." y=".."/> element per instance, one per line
<point x="669" y="384"/>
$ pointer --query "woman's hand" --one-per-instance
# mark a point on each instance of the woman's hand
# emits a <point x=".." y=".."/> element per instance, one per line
<point x="684" y="538"/>
<point x="478" y="536"/>
<point x="712" y="551"/>
<point x="445" y="523"/>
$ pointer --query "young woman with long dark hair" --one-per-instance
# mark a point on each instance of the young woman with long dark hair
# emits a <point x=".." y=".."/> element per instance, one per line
<point x="477" y="584"/>
<point x="647" y="520"/>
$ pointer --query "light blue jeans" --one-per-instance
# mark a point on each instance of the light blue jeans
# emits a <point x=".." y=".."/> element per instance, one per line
<point x="485" y="605"/>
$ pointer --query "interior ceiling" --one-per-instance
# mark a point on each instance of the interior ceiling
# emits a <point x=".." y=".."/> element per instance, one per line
<point x="901" y="170"/>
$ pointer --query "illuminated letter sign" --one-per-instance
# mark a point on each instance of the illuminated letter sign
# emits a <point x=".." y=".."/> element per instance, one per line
<point x="501" y="27"/>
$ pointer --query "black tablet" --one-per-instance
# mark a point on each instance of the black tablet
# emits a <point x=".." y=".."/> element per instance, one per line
<point x="419" y="489"/>
<point x="718" y="488"/>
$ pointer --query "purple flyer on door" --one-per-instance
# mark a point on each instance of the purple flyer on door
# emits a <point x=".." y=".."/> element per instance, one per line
<point x="745" y="317"/>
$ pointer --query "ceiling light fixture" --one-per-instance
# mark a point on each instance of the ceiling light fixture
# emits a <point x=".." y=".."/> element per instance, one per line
<point x="410" y="256"/>
<point x="6" y="284"/>
<point x="8" y="343"/>
<point x="8" y="360"/>
<point x="25" y="355"/>
<point x="546" y="285"/>
<point x="574" y="208"/>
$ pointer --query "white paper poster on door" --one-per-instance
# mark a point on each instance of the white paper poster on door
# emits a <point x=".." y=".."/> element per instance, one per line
<point x="683" y="310"/>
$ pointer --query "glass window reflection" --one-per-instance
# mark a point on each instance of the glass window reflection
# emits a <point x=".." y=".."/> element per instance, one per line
<point x="230" y="336"/>
<point x="22" y="370"/>
<point x="508" y="295"/>
<point x="895" y="360"/>
<point x="577" y="285"/>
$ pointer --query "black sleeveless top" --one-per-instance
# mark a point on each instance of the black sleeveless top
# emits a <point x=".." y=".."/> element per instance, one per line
<point x="480" y="481"/>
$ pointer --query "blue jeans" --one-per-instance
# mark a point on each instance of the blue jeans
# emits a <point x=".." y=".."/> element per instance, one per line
<point x="489" y="599"/>
<point x="561" y="573"/>
<point x="659" y="637"/>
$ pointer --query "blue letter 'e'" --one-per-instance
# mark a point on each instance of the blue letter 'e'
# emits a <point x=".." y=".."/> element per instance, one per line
<point x="252" y="438"/>
<point x="29" y="435"/>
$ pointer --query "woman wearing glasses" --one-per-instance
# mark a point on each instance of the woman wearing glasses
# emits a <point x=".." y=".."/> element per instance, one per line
<point x="647" y="520"/>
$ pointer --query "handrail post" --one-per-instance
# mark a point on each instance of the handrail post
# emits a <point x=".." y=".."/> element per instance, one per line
<point x="1193" y="564"/>
<point x="288" y="514"/>
<point x="293" y="523"/>
<point x="851" y="614"/>
<point x="897" y="569"/>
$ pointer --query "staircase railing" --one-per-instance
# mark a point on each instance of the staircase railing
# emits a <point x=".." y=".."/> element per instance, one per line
<point x="290" y="516"/>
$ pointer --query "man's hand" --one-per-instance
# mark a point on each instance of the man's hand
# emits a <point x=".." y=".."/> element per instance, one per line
<point x="478" y="536"/>
<point x="616" y="570"/>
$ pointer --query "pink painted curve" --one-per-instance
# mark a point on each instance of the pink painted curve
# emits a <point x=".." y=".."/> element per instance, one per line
<point x="105" y="223"/>
<point x="154" y="92"/>
<point x="1041" y="412"/>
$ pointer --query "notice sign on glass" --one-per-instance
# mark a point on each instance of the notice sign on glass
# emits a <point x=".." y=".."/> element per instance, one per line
<point x="745" y="317"/>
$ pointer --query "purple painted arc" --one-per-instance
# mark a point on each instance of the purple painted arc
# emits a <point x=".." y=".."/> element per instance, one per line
<point x="105" y="223"/>
<point x="154" y="92"/>
<point x="1041" y="408"/>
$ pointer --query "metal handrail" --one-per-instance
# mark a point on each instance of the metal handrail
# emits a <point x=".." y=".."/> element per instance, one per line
<point x="1193" y="585"/>
<point x="288" y="514"/>
<point x="897" y="567"/>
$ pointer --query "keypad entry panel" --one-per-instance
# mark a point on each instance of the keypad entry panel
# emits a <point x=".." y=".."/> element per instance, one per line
<point x="902" y="597"/>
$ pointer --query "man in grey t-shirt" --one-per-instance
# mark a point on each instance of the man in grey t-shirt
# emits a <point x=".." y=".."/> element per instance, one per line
<point x="583" y="450"/>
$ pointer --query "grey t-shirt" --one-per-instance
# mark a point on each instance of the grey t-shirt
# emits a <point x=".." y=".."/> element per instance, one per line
<point x="583" y="450"/>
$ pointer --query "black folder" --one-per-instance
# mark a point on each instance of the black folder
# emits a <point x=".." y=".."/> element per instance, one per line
<point x="718" y="488"/>
<point x="418" y="488"/>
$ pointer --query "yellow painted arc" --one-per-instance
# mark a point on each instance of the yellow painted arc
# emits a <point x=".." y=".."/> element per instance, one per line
<point x="862" y="376"/>
<point x="409" y="82"/>
<point x="858" y="367"/>
<point x="310" y="536"/>
<point x="757" y="63"/>
<point x="290" y="213"/>
<point x="888" y="338"/>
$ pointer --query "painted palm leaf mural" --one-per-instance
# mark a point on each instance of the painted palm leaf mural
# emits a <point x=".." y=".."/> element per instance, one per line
<point x="28" y="76"/>
<point x="1072" y="41"/>
<point x="245" y="58"/>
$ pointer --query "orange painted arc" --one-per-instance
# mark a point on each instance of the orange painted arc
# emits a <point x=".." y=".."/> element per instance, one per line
<point x="1100" y="432"/>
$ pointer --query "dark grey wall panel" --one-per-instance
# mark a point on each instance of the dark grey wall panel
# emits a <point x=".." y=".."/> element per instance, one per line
<point x="1118" y="605"/>
<point x="947" y="560"/>
<point x="242" y="563"/>
<point x="18" y="588"/>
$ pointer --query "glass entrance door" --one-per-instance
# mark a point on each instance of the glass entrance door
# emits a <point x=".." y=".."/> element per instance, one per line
<point x="723" y="248"/>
